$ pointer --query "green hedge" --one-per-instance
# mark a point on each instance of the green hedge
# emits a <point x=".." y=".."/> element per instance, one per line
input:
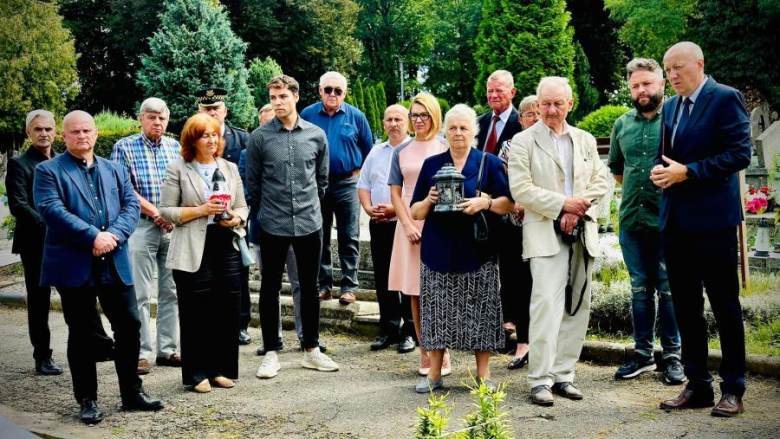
<point x="105" y="141"/>
<point x="600" y="122"/>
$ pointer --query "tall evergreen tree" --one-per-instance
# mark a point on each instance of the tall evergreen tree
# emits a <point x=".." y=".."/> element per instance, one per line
<point x="530" y="38"/>
<point x="370" y="110"/>
<point x="588" y="96"/>
<point x="260" y="72"/>
<point x="359" y="95"/>
<point x="37" y="65"/>
<point x="381" y="99"/>
<point x="195" y="48"/>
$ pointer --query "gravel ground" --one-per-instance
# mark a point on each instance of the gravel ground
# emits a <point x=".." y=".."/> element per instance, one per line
<point x="371" y="397"/>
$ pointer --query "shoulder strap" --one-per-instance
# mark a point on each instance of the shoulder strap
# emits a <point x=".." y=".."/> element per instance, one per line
<point x="479" y="175"/>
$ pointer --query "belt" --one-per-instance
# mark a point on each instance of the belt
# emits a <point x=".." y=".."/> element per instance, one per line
<point x="344" y="176"/>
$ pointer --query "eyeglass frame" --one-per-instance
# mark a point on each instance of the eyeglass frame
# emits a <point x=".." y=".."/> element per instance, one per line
<point x="424" y="117"/>
<point x="333" y="90"/>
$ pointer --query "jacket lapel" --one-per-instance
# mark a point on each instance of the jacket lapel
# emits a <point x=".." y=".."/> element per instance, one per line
<point x="75" y="174"/>
<point x="542" y="138"/>
<point x="195" y="180"/>
<point x="701" y="104"/>
<point x="107" y="183"/>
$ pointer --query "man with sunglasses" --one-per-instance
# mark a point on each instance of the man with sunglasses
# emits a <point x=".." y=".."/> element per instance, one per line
<point x="349" y="142"/>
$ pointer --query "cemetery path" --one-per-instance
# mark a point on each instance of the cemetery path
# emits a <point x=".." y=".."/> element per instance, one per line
<point x="371" y="397"/>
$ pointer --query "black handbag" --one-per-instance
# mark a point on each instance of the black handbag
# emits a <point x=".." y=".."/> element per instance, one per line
<point x="481" y="229"/>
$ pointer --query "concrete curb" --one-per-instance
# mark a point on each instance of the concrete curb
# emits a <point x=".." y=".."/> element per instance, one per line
<point x="362" y="318"/>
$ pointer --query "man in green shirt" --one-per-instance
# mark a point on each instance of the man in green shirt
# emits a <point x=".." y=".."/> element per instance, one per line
<point x="633" y="147"/>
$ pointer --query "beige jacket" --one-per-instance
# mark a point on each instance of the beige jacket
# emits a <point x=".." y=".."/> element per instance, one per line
<point x="183" y="187"/>
<point x="537" y="182"/>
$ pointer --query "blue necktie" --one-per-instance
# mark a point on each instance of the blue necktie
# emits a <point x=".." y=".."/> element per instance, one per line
<point x="681" y="125"/>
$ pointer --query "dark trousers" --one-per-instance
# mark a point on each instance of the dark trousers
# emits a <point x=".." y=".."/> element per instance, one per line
<point x="245" y="310"/>
<point x="209" y="301"/>
<point x="707" y="259"/>
<point x="118" y="303"/>
<point x="516" y="281"/>
<point x="38" y="304"/>
<point x="307" y="257"/>
<point x="395" y="309"/>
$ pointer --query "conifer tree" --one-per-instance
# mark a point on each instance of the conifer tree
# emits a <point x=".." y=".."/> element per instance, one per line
<point x="260" y="72"/>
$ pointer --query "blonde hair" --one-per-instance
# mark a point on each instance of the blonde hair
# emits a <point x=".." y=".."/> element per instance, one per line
<point x="431" y="105"/>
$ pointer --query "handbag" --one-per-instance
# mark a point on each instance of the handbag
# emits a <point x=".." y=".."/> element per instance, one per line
<point x="247" y="256"/>
<point x="481" y="230"/>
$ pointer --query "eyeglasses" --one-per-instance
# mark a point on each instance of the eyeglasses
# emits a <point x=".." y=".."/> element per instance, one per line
<point x="530" y="115"/>
<point x="422" y="116"/>
<point x="329" y="90"/>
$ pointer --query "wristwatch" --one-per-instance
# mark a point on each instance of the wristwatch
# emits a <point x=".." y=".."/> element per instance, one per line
<point x="490" y="203"/>
<point x="689" y="173"/>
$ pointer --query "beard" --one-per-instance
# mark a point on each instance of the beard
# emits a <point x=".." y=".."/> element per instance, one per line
<point x="652" y="104"/>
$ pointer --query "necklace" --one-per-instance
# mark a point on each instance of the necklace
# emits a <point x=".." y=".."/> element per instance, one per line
<point x="206" y="168"/>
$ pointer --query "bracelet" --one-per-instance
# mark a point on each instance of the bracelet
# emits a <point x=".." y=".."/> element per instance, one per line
<point x="490" y="203"/>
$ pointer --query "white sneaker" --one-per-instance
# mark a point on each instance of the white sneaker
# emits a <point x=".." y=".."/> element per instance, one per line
<point x="269" y="367"/>
<point x="317" y="360"/>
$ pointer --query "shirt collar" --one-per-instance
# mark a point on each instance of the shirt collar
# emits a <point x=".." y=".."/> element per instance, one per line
<point x="222" y="130"/>
<point x="695" y="94"/>
<point x="639" y="116"/>
<point x="401" y="143"/>
<point x="340" y="109"/>
<point x="83" y="163"/>
<point x="280" y="125"/>
<point x="40" y="155"/>
<point x="148" y="142"/>
<point x="504" y="116"/>
<point x="554" y="135"/>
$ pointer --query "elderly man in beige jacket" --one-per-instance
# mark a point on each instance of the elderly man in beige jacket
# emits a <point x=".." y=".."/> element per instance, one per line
<point x="556" y="173"/>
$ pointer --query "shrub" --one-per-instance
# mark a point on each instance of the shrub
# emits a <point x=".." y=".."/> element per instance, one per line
<point x="110" y="121"/>
<point x="600" y="122"/>
<point x="105" y="141"/>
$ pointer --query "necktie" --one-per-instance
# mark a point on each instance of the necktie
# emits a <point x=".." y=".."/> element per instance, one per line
<point x="686" y="112"/>
<point x="493" y="139"/>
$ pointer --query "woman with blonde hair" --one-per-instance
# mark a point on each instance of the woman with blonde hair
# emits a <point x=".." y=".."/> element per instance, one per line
<point x="425" y="122"/>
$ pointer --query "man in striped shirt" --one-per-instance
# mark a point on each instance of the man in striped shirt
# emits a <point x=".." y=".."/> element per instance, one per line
<point x="146" y="155"/>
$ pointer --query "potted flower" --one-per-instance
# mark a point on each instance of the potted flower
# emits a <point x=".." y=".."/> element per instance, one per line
<point x="759" y="201"/>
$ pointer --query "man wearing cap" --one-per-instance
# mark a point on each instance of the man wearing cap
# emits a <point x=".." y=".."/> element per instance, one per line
<point x="146" y="155"/>
<point x="211" y="101"/>
<point x="349" y="142"/>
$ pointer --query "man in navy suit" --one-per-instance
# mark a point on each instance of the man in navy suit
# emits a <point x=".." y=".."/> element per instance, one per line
<point x="501" y="124"/>
<point x="90" y="210"/>
<point x="705" y="143"/>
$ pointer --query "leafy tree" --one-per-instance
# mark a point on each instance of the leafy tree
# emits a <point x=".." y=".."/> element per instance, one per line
<point x="451" y="64"/>
<point x="587" y="93"/>
<point x="306" y="38"/>
<point x="393" y="29"/>
<point x="37" y="65"/>
<point x="111" y="36"/>
<point x="260" y="72"/>
<point x="650" y="27"/>
<point x="741" y="45"/>
<point x="531" y="38"/>
<point x="195" y="48"/>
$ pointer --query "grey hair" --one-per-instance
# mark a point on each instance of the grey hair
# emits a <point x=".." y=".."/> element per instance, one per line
<point x="335" y="75"/>
<point x="38" y="113"/>
<point x="154" y="105"/>
<point x="264" y="108"/>
<point x="557" y="81"/>
<point x="648" y="64"/>
<point x="463" y="110"/>
<point x="503" y="76"/>
<point x="527" y="103"/>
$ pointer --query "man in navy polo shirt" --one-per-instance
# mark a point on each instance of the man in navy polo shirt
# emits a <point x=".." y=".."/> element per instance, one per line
<point x="349" y="141"/>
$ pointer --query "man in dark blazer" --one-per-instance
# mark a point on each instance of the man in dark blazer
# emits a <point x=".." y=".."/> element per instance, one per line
<point x="30" y="230"/>
<point x="90" y="210"/>
<point x="212" y="101"/>
<point x="705" y="143"/>
<point x="502" y="123"/>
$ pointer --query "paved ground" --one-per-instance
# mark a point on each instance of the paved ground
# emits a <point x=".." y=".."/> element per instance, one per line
<point x="371" y="397"/>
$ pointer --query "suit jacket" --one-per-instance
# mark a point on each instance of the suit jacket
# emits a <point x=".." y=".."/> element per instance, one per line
<point x="511" y="128"/>
<point x="715" y="145"/>
<point x="183" y="187"/>
<point x="66" y="205"/>
<point x="30" y="228"/>
<point x="537" y="182"/>
<point x="236" y="140"/>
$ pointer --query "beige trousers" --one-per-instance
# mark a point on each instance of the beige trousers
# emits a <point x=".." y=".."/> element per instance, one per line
<point x="555" y="337"/>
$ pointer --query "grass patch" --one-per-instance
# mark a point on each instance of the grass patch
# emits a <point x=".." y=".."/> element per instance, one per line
<point x="118" y="431"/>
<point x="110" y="121"/>
<point x="761" y="283"/>
<point x="761" y="339"/>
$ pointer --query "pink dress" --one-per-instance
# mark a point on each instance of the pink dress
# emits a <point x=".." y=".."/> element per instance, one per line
<point x="405" y="260"/>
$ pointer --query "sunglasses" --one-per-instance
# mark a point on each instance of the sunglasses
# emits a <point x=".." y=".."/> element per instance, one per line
<point x="329" y="90"/>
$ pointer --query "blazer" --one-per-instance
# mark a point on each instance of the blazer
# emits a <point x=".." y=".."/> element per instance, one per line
<point x="715" y="146"/>
<point x="236" y="140"/>
<point x="30" y="228"/>
<point x="511" y="128"/>
<point x="183" y="187"/>
<point x="537" y="181"/>
<point x="66" y="205"/>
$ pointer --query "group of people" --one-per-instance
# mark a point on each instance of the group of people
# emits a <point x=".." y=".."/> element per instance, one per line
<point x="514" y="258"/>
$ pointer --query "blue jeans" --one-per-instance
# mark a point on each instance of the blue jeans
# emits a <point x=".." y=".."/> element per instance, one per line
<point x="643" y="255"/>
<point x="341" y="199"/>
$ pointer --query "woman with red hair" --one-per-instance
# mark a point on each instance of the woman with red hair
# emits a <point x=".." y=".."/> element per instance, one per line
<point x="203" y="197"/>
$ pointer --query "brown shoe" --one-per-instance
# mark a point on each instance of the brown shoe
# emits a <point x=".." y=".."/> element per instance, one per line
<point x="173" y="360"/>
<point x="567" y="390"/>
<point x="347" y="298"/>
<point x="690" y="399"/>
<point x="326" y="295"/>
<point x="143" y="366"/>
<point x="729" y="406"/>
<point x="202" y="387"/>
<point x="222" y="382"/>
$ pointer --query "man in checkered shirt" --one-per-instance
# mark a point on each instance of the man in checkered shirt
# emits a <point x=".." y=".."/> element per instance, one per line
<point x="146" y="155"/>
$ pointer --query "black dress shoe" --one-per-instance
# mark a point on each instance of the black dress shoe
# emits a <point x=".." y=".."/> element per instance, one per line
<point x="383" y="342"/>
<point x="105" y="354"/>
<point x="243" y="337"/>
<point x="90" y="412"/>
<point x="141" y="401"/>
<point x="47" y="367"/>
<point x="406" y="345"/>
<point x="517" y="363"/>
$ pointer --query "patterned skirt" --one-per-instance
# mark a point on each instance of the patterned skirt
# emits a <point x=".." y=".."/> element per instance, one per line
<point x="461" y="310"/>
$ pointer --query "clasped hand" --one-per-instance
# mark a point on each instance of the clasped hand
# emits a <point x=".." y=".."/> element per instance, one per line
<point x="104" y="243"/>
<point x="664" y="177"/>
<point x="470" y="206"/>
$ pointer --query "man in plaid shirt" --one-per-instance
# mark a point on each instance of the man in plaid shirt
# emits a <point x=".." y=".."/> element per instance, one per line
<point x="146" y="155"/>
